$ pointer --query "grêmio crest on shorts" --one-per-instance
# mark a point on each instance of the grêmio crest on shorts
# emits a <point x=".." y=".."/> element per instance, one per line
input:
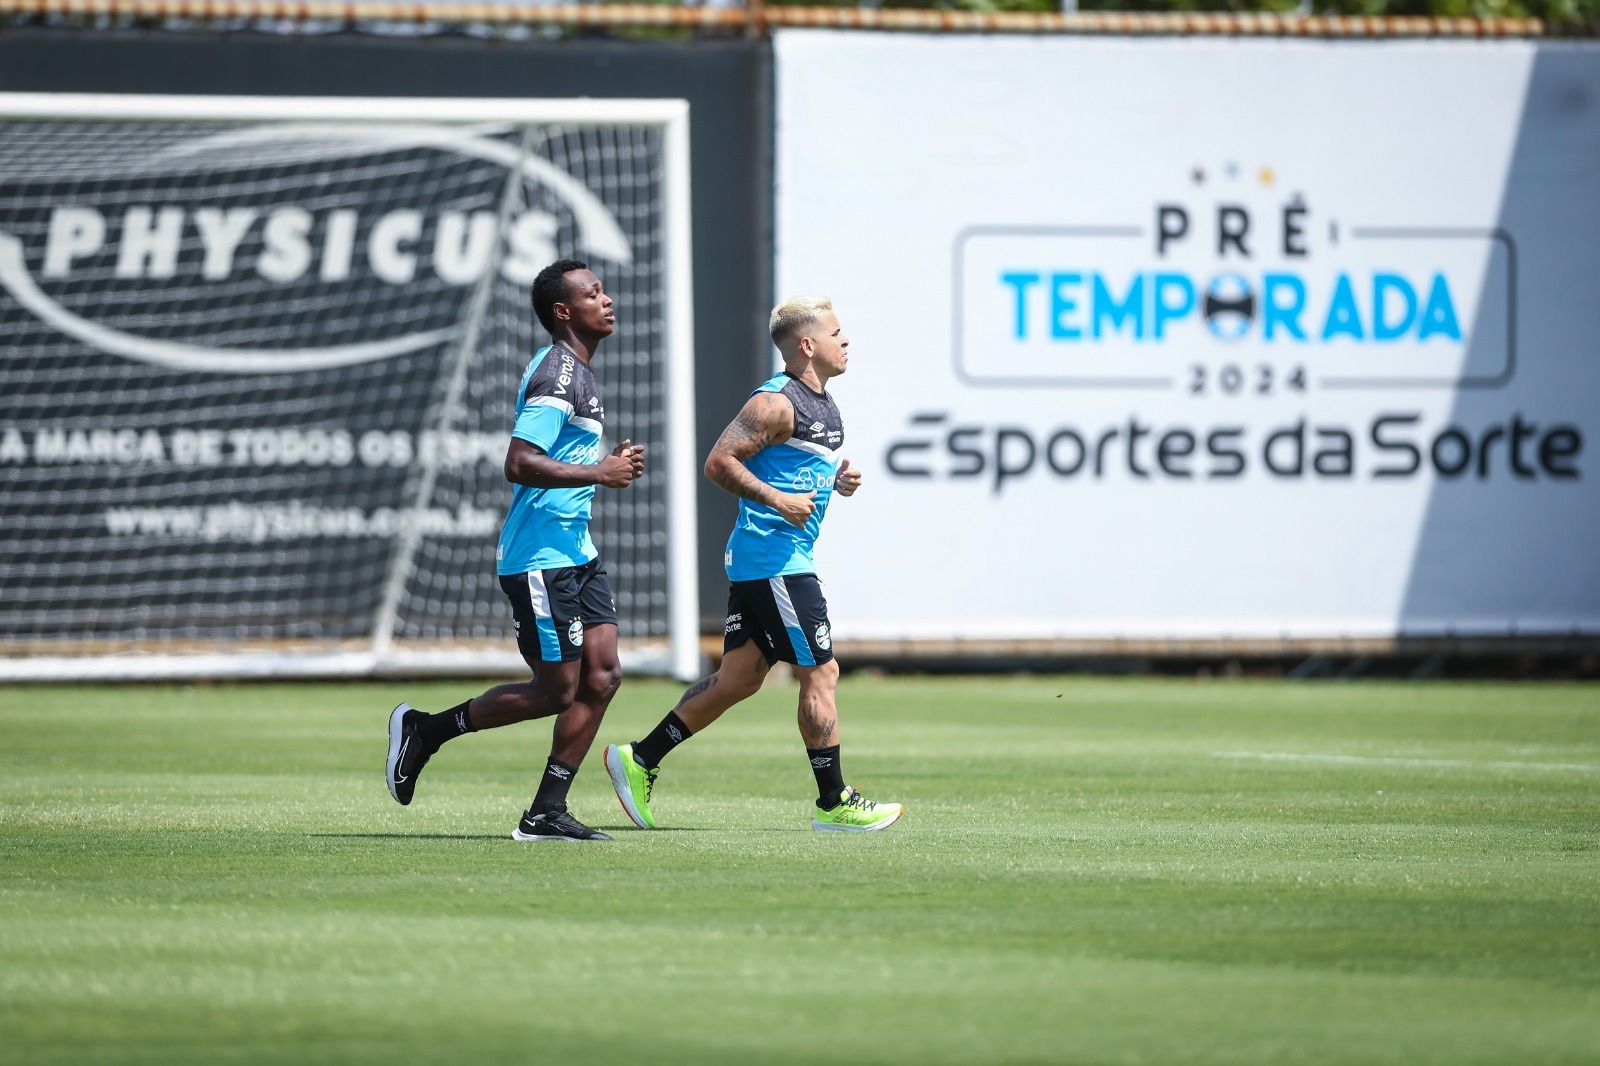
<point x="558" y="410"/>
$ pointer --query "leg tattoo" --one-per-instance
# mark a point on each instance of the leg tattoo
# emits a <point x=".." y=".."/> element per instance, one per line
<point x="695" y="689"/>
<point x="816" y="724"/>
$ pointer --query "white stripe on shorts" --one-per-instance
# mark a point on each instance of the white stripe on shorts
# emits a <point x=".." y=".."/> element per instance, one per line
<point x="538" y="594"/>
<point x="780" y="593"/>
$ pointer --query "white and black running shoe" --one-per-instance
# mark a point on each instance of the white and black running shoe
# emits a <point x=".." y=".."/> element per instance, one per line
<point x="554" y="825"/>
<point x="407" y="753"/>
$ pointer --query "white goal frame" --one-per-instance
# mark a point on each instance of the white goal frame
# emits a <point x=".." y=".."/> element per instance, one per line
<point x="681" y="656"/>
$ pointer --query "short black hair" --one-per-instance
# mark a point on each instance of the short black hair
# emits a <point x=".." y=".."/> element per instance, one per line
<point x="550" y="286"/>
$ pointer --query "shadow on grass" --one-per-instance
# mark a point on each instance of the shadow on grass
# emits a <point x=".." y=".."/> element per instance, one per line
<point x="629" y="829"/>
<point x="626" y="830"/>
<point x="410" y="836"/>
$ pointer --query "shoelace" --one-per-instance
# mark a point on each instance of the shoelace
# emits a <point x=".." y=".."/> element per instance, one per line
<point x="650" y="782"/>
<point x="565" y="822"/>
<point x="860" y="802"/>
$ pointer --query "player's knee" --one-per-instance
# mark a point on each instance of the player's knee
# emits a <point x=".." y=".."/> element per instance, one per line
<point x="600" y="682"/>
<point x="824" y="677"/>
<point x="532" y="699"/>
<point x="556" y="694"/>
<point x="741" y="685"/>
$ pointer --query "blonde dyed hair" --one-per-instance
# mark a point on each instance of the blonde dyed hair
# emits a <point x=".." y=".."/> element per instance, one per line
<point x="794" y="316"/>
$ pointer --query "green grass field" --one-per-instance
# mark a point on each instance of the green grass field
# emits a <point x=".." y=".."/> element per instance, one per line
<point x="1091" y="871"/>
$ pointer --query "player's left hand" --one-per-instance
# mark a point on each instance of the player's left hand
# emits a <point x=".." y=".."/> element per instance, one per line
<point x="847" y="480"/>
<point x="634" y="453"/>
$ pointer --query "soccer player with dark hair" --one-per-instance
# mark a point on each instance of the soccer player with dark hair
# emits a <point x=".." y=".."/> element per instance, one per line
<point x="561" y="602"/>
<point x="781" y="457"/>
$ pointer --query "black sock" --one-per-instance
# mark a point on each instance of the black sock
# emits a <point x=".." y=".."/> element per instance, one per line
<point x="667" y="735"/>
<point x="830" y="779"/>
<point x="553" y="786"/>
<point x="435" y="729"/>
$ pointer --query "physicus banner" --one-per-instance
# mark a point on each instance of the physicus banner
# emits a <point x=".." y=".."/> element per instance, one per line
<point x="257" y="373"/>
<point x="1203" y="338"/>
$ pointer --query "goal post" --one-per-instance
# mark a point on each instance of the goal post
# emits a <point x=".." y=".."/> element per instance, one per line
<point x="259" y="368"/>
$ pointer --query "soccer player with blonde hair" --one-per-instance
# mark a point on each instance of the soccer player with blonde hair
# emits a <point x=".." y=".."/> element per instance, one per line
<point x="782" y="458"/>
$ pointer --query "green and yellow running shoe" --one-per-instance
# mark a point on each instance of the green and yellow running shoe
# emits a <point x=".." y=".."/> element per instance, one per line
<point x="856" y="814"/>
<point x="632" y="782"/>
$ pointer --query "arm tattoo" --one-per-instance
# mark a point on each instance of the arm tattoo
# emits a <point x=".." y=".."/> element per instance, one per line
<point x="766" y="418"/>
<point x="749" y="429"/>
<point x="737" y="479"/>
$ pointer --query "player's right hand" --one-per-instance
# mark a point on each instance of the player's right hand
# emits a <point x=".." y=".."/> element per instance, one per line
<point x="796" y="507"/>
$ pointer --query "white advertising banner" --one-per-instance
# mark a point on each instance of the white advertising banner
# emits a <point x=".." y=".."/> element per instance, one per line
<point x="1203" y="338"/>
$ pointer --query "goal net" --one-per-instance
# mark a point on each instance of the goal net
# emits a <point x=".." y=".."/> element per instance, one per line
<point x="259" y="365"/>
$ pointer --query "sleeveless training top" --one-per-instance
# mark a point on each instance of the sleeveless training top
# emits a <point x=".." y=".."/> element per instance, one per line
<point x="763" y="545"/>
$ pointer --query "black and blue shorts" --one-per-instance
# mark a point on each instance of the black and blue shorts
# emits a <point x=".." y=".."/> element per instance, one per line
<point x="550" y="609"/>
<point x="786" y="617"/>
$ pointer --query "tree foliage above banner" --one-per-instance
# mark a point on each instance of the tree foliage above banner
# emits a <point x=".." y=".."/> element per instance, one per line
<point x="1553" y="12"/>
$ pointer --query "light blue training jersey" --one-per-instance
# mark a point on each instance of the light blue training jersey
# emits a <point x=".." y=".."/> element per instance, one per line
<point x="763" y="545"/>
<point x="558" y="411"/>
